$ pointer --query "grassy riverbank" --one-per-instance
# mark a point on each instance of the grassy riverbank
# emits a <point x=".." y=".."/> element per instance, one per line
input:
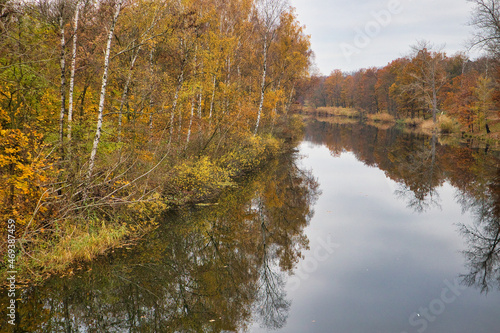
<point x="123" y="218"/>
<point x="445" y="125"/>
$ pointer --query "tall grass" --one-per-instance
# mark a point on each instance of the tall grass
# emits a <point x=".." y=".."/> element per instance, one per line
<point x="381" y="117"/>
<point x="338" y="111"/>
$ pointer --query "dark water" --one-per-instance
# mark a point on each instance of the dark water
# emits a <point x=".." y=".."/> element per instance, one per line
<point x="363" y="230"/>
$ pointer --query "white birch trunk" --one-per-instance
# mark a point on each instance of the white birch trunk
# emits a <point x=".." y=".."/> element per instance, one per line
<point x="63" y="84"/>
<point x="190" y="121"/>
<point x="262" y="86"/>
<point x="103" y="92"/>
<point x="73" y="67"/>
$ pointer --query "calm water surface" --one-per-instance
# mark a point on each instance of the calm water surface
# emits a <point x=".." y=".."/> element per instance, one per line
<point x="364" y="229"/>
<point x="396" y="216"/>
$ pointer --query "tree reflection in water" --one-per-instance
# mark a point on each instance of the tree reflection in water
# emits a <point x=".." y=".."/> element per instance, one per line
<point x="422" y="177"/>
<point x="419" y="164"/>
<point x="204" y="270"/>
<point x="483" y="237"/>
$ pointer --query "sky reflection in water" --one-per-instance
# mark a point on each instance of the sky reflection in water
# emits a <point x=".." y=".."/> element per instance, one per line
<point x="393" y="269"/>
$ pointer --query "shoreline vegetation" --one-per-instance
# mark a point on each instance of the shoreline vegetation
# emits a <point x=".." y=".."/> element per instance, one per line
<point x="112" y="112"/>
<point x="445" y="125"/>
<point x="197" y="180"/>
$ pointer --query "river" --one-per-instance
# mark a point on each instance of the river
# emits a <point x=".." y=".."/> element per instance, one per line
<point x="361" y="229"/>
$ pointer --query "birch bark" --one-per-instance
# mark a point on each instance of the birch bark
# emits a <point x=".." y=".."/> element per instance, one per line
<point x="73" y="68"/>
<point x="63" y="84"/>
<point x="102" y="96"/>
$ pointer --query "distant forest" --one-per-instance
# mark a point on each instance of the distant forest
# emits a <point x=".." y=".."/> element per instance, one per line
<point x="427" y="83"/>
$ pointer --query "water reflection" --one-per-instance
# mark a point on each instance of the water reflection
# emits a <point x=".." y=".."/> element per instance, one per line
<point x="203" y="270"/>
<point x="420" y="164"/>
<point x="483" y="238"/>
<point x="225" y="267"/>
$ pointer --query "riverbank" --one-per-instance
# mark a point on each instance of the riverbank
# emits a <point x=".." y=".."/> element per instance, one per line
<point x="197" y="178"/>
<point x="445" y="126"/>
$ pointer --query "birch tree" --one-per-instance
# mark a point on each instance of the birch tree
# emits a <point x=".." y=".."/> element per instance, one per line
<point x="104" y="83"/>
<point x="268" y="16"/>
<point x="73" y="68"/>
<point x="63" y="75"/>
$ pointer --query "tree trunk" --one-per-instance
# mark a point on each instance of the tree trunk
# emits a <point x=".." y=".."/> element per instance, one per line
<point x="103" y="92"/>
<point x="150" y="125"/>
<point x="434" y="102"/>
<point x="63" y="86"/>
<point x="212" y="104"/>
<point x="180" y="81"/>
<point x="290" y="102"/>
<point x="262" y="86"/>
<point x="190" y="121"/>
<point x="73" y="67"/>
<point x="125" y="93"/>
<point x="200" y="97"/>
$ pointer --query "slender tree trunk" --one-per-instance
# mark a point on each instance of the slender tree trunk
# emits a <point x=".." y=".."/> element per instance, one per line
<point x="151" y="101"/>
<point x="125" y="93"/>
<point x="179" y="126"/>
<point x="200" y="97"/>
<point x="289" y="104"/>
<point x="103" y="92"/>
<point x="434" y="102"/>
<point x="192" y="100"/>
<point x="150" y="125"/>
<point x="73" y="67"/>
<point x="82" y="101"/>
<point x="212" y="103"/>
<point x="262" y="85"/>
<point x="63" y="86"/>
<point x="180" y="81"/>
<point x="227" y="82"/>
<point x="190" y="121"/>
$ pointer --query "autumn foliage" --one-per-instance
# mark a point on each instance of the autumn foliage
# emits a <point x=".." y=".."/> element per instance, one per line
<point x="426" y="84"/>
<point x="104" y="105"/>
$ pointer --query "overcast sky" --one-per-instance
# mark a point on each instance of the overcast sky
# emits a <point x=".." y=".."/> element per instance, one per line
<point x="354" y="34"/>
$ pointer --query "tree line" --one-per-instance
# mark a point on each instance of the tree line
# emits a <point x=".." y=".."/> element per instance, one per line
<point x="102" y="99"/>
<point x="427" y="83"/>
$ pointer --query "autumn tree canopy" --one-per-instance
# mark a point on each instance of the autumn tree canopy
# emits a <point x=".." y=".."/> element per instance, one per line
<point x="99" y="101"/>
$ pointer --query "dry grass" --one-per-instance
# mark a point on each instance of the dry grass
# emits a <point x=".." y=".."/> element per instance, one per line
<point x="381" y="117"/>
<point x="338" y="120"/>
<point x="444" y="125"/>
<point x="72" y="244"/>
<point x="447" y="125"/>
<point x="339" y="112"/>
<point x="429" y="127"/>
